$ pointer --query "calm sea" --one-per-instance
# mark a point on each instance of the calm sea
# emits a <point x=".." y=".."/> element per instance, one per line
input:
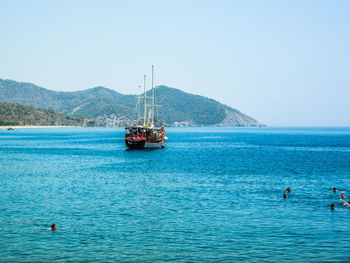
<point x="212" y="195"/>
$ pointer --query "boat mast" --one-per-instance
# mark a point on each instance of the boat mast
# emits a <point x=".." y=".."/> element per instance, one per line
<point x="138" y="108"/>
<point x="144" y="100"/>
<point x="152" y="125"/>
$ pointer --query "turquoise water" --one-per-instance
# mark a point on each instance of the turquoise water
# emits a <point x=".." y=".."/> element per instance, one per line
<point x="214" y="194"/>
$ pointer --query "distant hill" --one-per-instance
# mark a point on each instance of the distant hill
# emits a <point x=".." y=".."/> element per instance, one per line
<point x="181" y="107"/>
<point x="106" y="105"/>
<point x="17" y="114"/>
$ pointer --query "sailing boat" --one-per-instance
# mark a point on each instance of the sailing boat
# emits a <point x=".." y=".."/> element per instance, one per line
<point x="146" y="135"/>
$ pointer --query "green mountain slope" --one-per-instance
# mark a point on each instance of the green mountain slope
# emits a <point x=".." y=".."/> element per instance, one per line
<point x="179" y="106"/>
<point x="17" y="114"/>
<point x="106" y="105"/>
<point x="64" y="102"/>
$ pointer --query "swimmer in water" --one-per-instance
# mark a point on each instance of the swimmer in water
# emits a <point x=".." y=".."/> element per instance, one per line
<point x="53" y="227"/>
<point x="334" y="190"/>
<point x="342" y="196"/>
<point x="285" y="195"/>
<point x="288" y="190"/>
<point x="332" y="206"/>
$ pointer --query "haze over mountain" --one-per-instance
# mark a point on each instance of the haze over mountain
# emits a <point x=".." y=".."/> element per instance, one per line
<point x="106" y="105"/>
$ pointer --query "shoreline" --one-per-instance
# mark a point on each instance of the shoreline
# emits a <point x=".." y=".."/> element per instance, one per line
<point x="35" y="127"/>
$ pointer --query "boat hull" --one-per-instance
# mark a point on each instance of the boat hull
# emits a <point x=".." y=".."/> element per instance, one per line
<point x="135" y="144"/>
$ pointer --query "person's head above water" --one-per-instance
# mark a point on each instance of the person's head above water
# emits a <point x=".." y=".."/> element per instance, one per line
<point x="53" y="227"/>
<point x="285" y="196"/>
<point x="342" y="196"/>
<point x="288" y="190"/>
<point x="334" y="189"/>
<point x="332" y="206"/>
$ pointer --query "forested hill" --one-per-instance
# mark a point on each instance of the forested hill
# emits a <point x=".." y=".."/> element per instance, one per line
<point x="108" y="106"/>
<point x="182" y="107"/>
<point x="17" y="114"/>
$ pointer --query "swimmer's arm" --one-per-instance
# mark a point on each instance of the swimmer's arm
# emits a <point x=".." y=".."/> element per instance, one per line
<point x="345" y="202"/>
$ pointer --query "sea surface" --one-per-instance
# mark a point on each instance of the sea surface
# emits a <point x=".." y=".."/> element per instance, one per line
<point x="212" y="195"/>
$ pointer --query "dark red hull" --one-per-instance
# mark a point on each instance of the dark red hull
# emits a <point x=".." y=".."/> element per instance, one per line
<point x="135" y="144"/>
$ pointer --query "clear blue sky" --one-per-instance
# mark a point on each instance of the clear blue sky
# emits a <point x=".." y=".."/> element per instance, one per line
<point x="285" y="63"/>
